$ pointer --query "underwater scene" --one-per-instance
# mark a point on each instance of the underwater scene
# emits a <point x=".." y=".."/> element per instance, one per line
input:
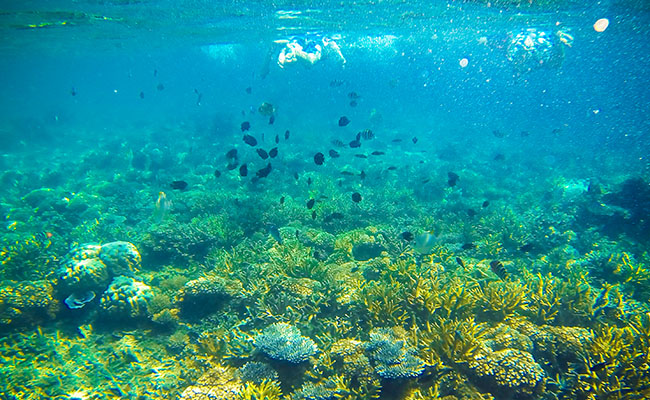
<point x="319" y="200"/>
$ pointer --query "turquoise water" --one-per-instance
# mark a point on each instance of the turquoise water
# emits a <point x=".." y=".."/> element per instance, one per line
<point x="479" y="229"/>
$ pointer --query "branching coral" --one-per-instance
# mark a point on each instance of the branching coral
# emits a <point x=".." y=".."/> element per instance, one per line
<point x="393" y="357"/>
<point x="283" y="342"/>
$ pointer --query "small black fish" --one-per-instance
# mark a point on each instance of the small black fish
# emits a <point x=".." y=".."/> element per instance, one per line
<point x="282" y="200"/>
<point x="273" y="152"/>
<point x="485" y="204"/>
<point x="73" y="92"/>
<point x="396" y="140"/>
<point x="264" y="172"/>
<point x="217" y="173"/>
<point x="231" y="154"/>
<point x="499" y="270"/>
<point x="557" y="131"/>
<point x="319" y="158"/>
<point x="286" y="134"/>
<point x="243" y="170"/>
<point x="367" y="134"/>
<point x="498" y="133"/>
<point x="231" y="166"/>
<point x="275" y="233"/>
<point x="332" y="217"/>
<point x="334" y="154"/>
<point x="471" y="212"/>
<point x="414" y="140"/>
<point x="249" y="90"/>
<point x="313" y="215"/>
<point x="250" y="140"/>
<point x="599" y="366"/>
<point x="155" y="72"/>
<point x="245" y="126"/>
<point x="277" y="139"/>
<point x="353" y="103"/>
<point x="355" y="143"/>
<point x="309" y="181"/>
<point x="392" y="168"/>
<point x="408" y="236"/>
<point x="160" y="87"/>
<point x="262" y="153"/>
<point x="356" y="197"/>
<point x="460" y="262"/>
<point x="377" y="153"/>
<point x="310" y="204"/>
<point x="178" y="185"/>
<point x="271" y="119"/>
<point x="468" y="246"/>
<point x="524" y="133"/>
<point x="453" y="178"/>
<point x="362" y="175"/>
<point x="499" y="157"/>
<point x="358" y="137"/>
<point x="295" y="176"/>
<point x="142" y="95"/>
<point x="336" y="83"/>
<point x="343" y="121"/>
<point x="347" y="173"/>
<point x="361" y="156"/>
<point x="353" y="95"/>
<point x="527" y="247"/>
<point x="337" y="143"/>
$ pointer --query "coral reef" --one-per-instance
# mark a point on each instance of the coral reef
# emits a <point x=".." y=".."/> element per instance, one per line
<point x="26" y="303"/>
<point x="283" y="342"/>
<point x="392" y="356"/>
<point x="126" y="297"/>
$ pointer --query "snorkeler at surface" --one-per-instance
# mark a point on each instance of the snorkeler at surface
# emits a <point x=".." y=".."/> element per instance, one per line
<point x="309" y="51"/>
<point x="533" y="48"/>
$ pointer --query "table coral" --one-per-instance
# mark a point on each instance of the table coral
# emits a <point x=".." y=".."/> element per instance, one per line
<point x="282" y="341"/>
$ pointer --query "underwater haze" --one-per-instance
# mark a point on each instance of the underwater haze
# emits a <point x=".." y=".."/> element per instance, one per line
<point x="325" y="200"/>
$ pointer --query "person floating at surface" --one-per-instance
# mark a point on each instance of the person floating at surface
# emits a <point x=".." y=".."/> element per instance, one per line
<point x="533" y="48"/>
<point x="309" y="51"/>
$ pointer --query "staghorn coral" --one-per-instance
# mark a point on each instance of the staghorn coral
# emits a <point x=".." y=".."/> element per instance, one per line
<point x="283" y="342"/>
<point x="393" y="357"/>
<point x="27" y="258"/>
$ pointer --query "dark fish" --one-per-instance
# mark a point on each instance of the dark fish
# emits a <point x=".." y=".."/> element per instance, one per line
<point x="499" y="157"/>
<point x="178" y="185"/>
<point x="353" y="95"/>
<point x="332" y="217"/>
<point x="250" y="140"/>
<point x="275" y="233"/>
<point x="468" y="246"/>
<point x="361" y="156"/>
<point x="527" y="247"/>
<point x="277" y="139"/>
<point x="485" y="204"/>
<point x="343" y="121"/>
<point x="231" y="166"/>
<point x="243" y="170"/>
<point x="319" y="158"/>
<point x="309" y="181"/>
<point x="377" y="153"/>
<point x="217" y="173"/>
<point x="471" y="212"/>
<point x="392" y="168"/>
<point x="336" y="83"/>
<point x="266" y="109"/>
<point x="498" y="133"/>
<point x="273" y="152"/>
<point x="367" y="134"/>
<point x="262" y="153"/>
<point x="286" y="134"/>
<point x="295" y="175"/>
<point x="453" y="178"/>
<point x="414" y="140"/>
<point x="310" y="204"/>
<point x="245" y="126"/>
<point x="408" y="236"/>
<point x="557" y="131"/>
<point x="264" y="172"/>
<point x="334" y="154"/>
<point x="271" y="119"/>
<point x="362" y="175"/>
<point x="160" y="87"/>
<point x="313" y="215"/>
<point x="232" y="154"/>
<point x="524" y="133"/>
<point x="142" y="95"/>
<point x="73" y="92"/>
<point x="460" y="262"/>
<point x="356" y="197"/>
<point x="249" y="90"/>
<point x="396" y="140"/>
<point x="599" y="366"/>
<point x="499" y="270"/>
<point x="426" y="180"/>
<point x="347" y="173"/>
<point x="155" y="72"/>
<point x="337" y="143"/>
<point x="353" y="103"/>
<point x="282" y="200"/>
<point x="358" y="137"/>
<point x="355" y="143"/>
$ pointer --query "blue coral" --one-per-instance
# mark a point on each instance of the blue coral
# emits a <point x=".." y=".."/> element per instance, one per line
<point x="283" y="342"/>
<point x="393" y="357"/>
